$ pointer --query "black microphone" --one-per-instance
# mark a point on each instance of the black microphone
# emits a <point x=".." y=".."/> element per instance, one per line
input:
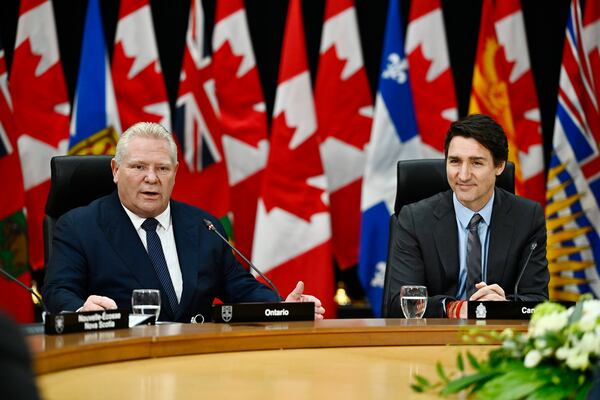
<point x="212" y="228"/>
<point x="24" y="286"/>
<point x="532" y="247"/>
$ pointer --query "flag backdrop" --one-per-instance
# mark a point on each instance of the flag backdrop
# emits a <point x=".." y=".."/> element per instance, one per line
<point x="41" y="111"/>
<point x="95" y="122"/>
<point x="139" y="85"/>
<point x="430" y="74"/>
<point x="573" y="192"/>
<point x="202" y="174"/>
<point x="13" y="230"/>
<point x="292" y="238"/>
<point x="243" y="116"/>
<point x="344" y="114"/>
<point x="503" y="88"/>
<point x="394" y="137"/>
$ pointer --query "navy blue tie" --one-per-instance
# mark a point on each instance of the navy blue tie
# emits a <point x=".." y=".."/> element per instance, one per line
<point x="157" y="256"/>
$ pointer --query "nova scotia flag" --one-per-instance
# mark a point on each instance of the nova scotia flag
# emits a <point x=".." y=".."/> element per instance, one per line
<point x="394" y="137"/>
<point x="95" y="124"/>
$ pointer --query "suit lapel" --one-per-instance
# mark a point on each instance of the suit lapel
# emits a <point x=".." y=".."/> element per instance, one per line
<point x="187" y="241"/>
<point x="501" y="234"/>
<point x="446" y="234"/>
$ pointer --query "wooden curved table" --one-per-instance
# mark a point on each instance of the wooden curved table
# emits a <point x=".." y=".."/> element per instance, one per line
<point x="369" y="358"/>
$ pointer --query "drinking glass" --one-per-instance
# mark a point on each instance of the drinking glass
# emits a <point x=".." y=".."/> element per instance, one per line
<point x="146" y="301"/>
<point x="413" y="300"/>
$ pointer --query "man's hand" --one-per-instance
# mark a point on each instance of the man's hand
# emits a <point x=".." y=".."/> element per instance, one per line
<point x="98" y="303"/>
<point x="296" y="296"/>
<point x="485" y="292"/>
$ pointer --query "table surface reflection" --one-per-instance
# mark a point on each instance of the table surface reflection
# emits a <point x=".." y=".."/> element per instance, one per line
<point x="60" y="352"/>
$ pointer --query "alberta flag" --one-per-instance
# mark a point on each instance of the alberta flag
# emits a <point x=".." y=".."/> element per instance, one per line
<point x="394" y="137"/>
<point x="95" y="123"/>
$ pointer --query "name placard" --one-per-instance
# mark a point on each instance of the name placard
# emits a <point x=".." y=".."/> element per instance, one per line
<point x="84" y="321"/>
<point x="263" y="312"/>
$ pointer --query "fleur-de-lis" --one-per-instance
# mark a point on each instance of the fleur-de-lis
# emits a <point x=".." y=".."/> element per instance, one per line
<point x="396" y="68"/>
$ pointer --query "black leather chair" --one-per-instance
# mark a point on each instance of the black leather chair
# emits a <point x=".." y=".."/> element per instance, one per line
<point x="418" y="180"/>
<point x="74" y="181"/>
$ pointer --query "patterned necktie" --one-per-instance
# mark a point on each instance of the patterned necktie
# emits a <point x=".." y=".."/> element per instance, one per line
<point x="473" y="255"/>
<point x="157" y="256"/>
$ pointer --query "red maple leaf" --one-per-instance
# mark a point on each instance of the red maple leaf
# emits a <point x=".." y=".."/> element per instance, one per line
<point x="145" y="88"/>
<point x="338" y="102"/>
<point x="288" y="171"/>
<point x="35" y="98"/>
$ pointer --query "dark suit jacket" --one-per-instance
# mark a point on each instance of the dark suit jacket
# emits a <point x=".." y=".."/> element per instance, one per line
<point x="17" y="380"/>
<point x="425" y="250"/>
<point x="96" y="250"/>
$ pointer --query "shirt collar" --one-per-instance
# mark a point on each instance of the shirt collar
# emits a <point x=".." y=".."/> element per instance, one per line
<point x="464" y="214"/>
<point x="164" y="218"/>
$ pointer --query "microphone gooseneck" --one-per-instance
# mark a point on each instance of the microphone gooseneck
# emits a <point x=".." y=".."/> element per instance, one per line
<point x="532" y="247"/>
<point x="211" y="227"/>
<point x="24" y="286"/>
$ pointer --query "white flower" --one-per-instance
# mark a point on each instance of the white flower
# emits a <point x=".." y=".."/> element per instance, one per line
<point x="589" y="315"/>
<point x="589" y="343"/>
<point x="562" y="353"/>
<point x="578" y="360"/>
<point x="532" y="359"/>
<point x="548" y="323"/>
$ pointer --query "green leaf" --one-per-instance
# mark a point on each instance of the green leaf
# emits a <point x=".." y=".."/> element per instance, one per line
<point x="459" y="384"/>
<point x="460" y="364"/>
<point x="515" y="384"/>
<point x="473" y="361"/>
<point x="440" y="371"/>
<point x="417" y="388"/>
<point x="422" y="381"/>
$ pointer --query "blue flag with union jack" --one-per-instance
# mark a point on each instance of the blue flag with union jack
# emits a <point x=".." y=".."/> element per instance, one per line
<point x="573" y="185"/>
<point x="394" y="136"/>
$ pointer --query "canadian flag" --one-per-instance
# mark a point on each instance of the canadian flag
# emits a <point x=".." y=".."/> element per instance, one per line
<point x="430" y="75"/>
<point x="202" y="175"/>
<point x="41" y="111"/>
<point x="344" y="113"/>
<point x="243" y="116"/>
<point x="137" y="75"/>
<point x="503" y="88"/>
<point x="292" y="238"/>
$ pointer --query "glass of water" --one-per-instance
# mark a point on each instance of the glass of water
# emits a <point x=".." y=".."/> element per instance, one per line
<point x="146" y="301"/>
<point x="413" y="300"/>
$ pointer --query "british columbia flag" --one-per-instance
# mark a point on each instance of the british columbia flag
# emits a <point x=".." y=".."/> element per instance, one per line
<point x="573" y="186"/>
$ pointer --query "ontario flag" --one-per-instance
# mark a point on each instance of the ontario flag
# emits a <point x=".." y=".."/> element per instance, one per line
<point x="139" y="85"/>
<point x="292" y="238"/>
<point x="202" y="174"/>
<point x="95" y="125"/>
<point x="41" y="111"/>
<point x="344" y="114"/>
<point x="14" y="300"/>
<point x="430" y="74"/>
<point x="573" y="188"/>
<point x="242" y="115"/>
<point x="503" y="88"/>
<point x="394" y="137"/>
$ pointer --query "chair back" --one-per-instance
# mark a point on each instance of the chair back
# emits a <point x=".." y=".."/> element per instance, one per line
<point x="75" y="181"/>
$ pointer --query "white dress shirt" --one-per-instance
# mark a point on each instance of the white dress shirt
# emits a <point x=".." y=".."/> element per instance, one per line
<point x="167" y="241"/>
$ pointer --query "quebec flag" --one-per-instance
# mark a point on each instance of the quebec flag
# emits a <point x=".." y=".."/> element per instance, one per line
<point x="394" y="136"/>
<point x="95" y="126"/>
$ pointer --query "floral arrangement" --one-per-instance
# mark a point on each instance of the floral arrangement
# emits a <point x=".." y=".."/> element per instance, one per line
<point x="556" y="359"/>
